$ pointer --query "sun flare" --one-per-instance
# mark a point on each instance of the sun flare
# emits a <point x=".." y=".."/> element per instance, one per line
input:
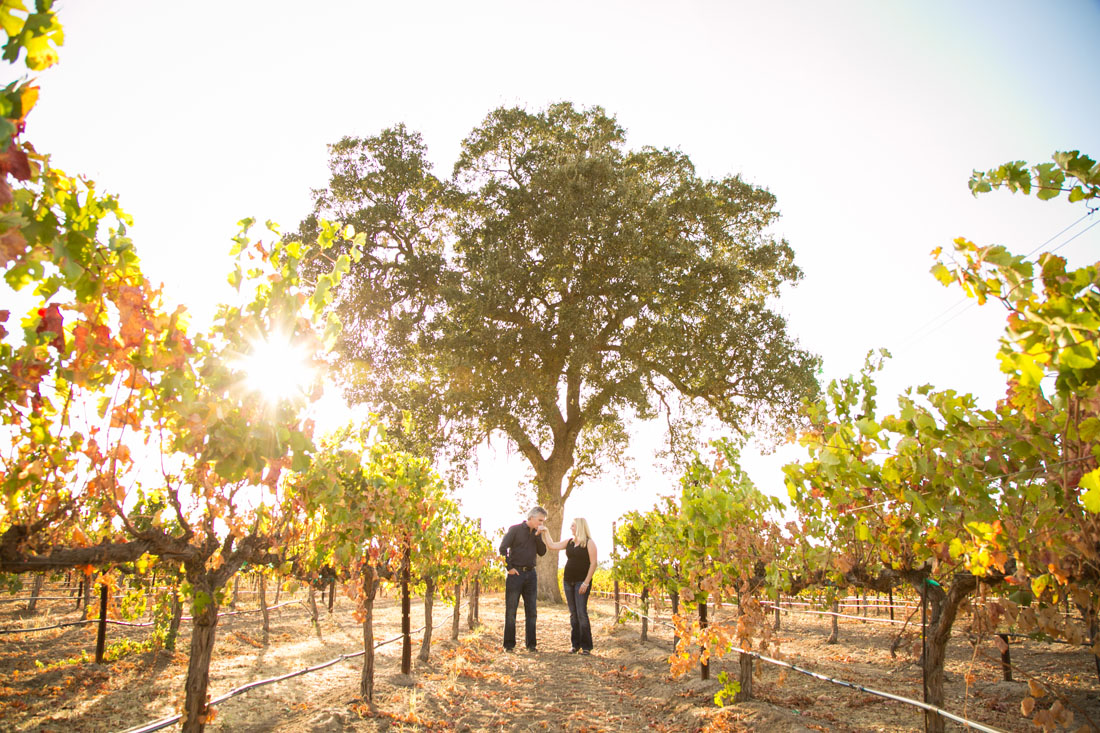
<point x="277" y="369"/>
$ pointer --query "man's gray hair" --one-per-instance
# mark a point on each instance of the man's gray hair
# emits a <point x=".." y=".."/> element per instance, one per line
<point x="536" y="512"/>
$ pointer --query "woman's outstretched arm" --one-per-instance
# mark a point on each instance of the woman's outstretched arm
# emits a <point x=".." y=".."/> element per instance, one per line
<point x="550" y="544"/>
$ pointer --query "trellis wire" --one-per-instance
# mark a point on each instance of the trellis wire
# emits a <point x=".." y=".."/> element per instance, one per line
<point x="136" y="623"/>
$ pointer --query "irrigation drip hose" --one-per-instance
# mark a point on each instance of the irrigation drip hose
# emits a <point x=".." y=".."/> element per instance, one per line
<point x="47" y="628"/>
<point x="164" y="723"/>
<point x="861" y="688"/>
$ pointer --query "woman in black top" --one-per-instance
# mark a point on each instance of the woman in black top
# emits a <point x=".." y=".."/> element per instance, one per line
<point x="580" y="564"/>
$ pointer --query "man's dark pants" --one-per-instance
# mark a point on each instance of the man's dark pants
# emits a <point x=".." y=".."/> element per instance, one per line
<point x="525" y="584"/>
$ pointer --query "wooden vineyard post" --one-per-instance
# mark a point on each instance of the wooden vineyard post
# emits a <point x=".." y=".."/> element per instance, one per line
<point x="890" y="598"/>
<point x="35" y="592"/>
<point x="476" y="602"/>
<point x="674" y="600"/>
<point x="331" y="592"/>
<point x="1006" y="659"/>
<point x="174" y="623"/>
<point x="313" y="608"/>
<point x="457" y="615"/>
<point x="645" y="614"/>
<point x="615" y="554"/>
<point x="406" y="625"/>
<point x="704" y="667"/>
<point x="263" y="606"/>
<point x="834" y="634"/>
<point x="471" y="594"/>
<point x="88" y="593"/>
<point x="101" y="633"/>
<point x="777" y="621"/>
<point x="1094" y="631"/>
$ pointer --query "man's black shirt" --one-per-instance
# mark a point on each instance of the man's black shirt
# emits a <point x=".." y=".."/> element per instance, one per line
<point x="520" y="545"/>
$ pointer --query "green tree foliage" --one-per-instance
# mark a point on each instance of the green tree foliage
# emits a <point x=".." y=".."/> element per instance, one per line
<point x="556" y="284"/>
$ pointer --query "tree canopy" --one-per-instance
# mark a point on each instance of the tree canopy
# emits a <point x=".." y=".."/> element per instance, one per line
<point x="557" y="286"/>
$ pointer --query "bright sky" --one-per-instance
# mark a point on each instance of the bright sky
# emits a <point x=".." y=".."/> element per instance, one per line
<point x="864" y="118"/>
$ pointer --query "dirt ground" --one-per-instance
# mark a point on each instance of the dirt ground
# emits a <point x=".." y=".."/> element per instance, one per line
<point x="472" y="685"/>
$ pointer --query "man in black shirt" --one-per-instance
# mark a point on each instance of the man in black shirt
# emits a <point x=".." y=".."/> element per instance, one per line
<point x="520" y="545"/>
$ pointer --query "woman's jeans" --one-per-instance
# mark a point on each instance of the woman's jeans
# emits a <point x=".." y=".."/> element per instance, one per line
<point x="525" y="585"/>
<point x="580" y="626"/>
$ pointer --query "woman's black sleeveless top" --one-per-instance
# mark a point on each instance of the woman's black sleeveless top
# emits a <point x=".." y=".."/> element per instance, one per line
<point x="576" y="566"/>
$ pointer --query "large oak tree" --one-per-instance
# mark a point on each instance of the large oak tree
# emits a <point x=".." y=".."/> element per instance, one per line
<point x="556" y="287"/>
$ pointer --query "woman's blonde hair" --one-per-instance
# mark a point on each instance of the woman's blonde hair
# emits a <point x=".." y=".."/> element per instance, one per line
<point x="580" y="532"/>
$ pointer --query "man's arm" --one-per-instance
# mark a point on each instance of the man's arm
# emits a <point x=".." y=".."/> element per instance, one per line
<point x="540" y="546"/>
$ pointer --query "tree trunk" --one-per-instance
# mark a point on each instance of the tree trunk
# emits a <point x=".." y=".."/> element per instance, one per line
<point x="366" y="679"/>
<point x="35" y="592"/>
<point x="204" y="625"/>
<point x="549" y="494"/>
<point x="429" y="599"/>
<point x="456" y="617"/>
<point x="834" y="635"/>
<point x="263" y="606"/>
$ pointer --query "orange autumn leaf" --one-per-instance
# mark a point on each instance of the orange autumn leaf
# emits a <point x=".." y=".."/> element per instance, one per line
<point x="131" y="311"/>
<point x="12" y="246"/>
<point x="52" y="322"/>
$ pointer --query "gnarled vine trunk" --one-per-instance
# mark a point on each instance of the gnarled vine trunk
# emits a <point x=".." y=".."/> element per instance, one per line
<point x="366" y="679"/>
<point x="429" y="601"/>
<point x="204" y="626"/>
<point x="945" y="607"/>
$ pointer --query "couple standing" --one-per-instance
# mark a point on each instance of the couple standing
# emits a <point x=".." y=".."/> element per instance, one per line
<point x="521" y="544"/>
